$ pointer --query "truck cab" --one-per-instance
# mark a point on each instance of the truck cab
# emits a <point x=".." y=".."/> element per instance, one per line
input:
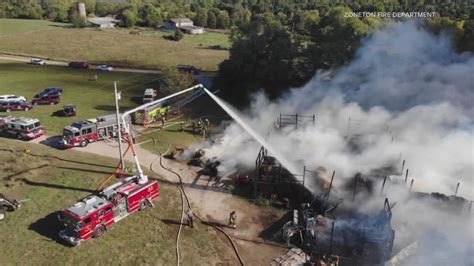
<point x="79" y="133"/>
<point x="85" y="219"/>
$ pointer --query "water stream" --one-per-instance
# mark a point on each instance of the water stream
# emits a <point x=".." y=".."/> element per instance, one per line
<point x="285" y="163"/>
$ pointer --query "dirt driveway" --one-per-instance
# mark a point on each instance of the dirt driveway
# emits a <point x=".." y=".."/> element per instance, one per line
<point x="207" y="203"/>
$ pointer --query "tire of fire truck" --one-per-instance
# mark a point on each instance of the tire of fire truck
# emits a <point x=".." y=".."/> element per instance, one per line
<point x="99" y="230"/>
<point x="84" y="143"/>
<point x="2" y="215"/>
<point x="18" y="136"/>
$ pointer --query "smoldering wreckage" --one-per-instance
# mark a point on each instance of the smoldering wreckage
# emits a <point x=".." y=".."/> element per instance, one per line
<point x="370" y="126"/>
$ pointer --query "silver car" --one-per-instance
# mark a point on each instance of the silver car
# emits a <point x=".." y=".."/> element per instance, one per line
<point x="11" y="98"/>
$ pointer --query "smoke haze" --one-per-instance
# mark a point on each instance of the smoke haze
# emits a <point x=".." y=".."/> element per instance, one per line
<point x="406" y="95"/>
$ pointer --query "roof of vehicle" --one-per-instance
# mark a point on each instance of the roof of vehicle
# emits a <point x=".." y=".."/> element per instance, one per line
<point x="149" y="91"/>
<point x="24" y="120"/>
<point x="80" y="124"/>
<point x="36" y="59"/>
<point x="87" y="205"/>
<point x="7" y="95"/>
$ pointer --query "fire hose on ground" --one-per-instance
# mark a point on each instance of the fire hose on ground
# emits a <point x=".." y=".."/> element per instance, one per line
<point x="183" y="194"/>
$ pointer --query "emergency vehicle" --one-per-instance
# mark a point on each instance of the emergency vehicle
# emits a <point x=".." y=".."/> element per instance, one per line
<point x="150" y="114"/>
<point x="92" y="216"/>
<point x="83" y="132"/>
<point x="20" y="127"/>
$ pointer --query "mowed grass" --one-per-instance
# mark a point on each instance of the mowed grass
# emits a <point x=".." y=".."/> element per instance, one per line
<point x="15" y="26"/>
<point x="171" y="137"/>
<point x="29" y="235"/>
<point x="147" y="49"/>
<point x="92" y="98"/>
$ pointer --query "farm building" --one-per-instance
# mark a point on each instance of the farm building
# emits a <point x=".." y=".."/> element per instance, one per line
<point x="184" y="24"/>
<point x="103" y="22"/>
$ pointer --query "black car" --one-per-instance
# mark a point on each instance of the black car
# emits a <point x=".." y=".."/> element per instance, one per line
<point x="51" y="91"/>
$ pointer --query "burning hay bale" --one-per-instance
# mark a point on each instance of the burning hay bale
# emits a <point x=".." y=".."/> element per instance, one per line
<point x="176" y="154"/>
<point x="197" y="158"/>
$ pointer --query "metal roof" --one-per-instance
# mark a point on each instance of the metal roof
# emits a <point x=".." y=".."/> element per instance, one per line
<point x="181" y="20"/>
<point x="24" y="120"/>
<point x="102" y="20"/>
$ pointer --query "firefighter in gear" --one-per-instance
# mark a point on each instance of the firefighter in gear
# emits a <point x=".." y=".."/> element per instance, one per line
<point x="162" y="118"/>
<point x="190" y="216"/>
<point x="232" y="219"/>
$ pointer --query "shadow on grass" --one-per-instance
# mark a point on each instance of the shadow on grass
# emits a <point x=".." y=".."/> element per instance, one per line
<point x="111" y="108"/>
<point x="61" y="26"/>
<point x="83" y="170"/>
<point x="212" y="223"/>
<point x="9" y="177"/>
<point x="58" y="113"/>
<point x="171" y="222"/>
<point x="49" y="226"/>
<point x="137" y="100"/>
<point x="56" y="186"/>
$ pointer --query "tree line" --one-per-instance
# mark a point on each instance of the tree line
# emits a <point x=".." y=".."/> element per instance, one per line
<point x="219" y="14"/>
<point x="276" y="51"/>
<point x="276" y="44"/>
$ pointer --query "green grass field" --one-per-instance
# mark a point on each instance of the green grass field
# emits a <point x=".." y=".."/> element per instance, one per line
<point x="147" y="49"/>
<point x="16" y="26"/>
<point x="170" y="136"/>
<point x="92" y="98"/>
<point x="29" y="235"/>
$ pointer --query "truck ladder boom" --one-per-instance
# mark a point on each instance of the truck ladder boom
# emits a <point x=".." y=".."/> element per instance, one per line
<point x="143" y="178"/>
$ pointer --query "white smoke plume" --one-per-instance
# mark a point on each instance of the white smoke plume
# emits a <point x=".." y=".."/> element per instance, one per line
<point x="406" y="95"/>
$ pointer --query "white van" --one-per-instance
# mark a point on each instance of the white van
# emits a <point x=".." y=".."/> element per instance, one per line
<point x="149" y="95"/>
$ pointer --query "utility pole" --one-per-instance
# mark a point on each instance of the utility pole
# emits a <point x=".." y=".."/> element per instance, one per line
<point x="117" y="98"/>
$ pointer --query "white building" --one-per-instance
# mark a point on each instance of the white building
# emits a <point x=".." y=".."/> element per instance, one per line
<point x="103" y="22"/>
<point x="184" y="24"/>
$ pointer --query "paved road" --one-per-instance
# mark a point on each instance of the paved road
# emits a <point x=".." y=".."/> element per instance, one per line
<point x="27" y="59"/>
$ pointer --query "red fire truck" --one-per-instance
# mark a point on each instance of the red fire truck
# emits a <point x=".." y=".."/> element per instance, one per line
<point x="91" y="216"/>
<point x="20" y="127"/>
<point x="83" y="132"/>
